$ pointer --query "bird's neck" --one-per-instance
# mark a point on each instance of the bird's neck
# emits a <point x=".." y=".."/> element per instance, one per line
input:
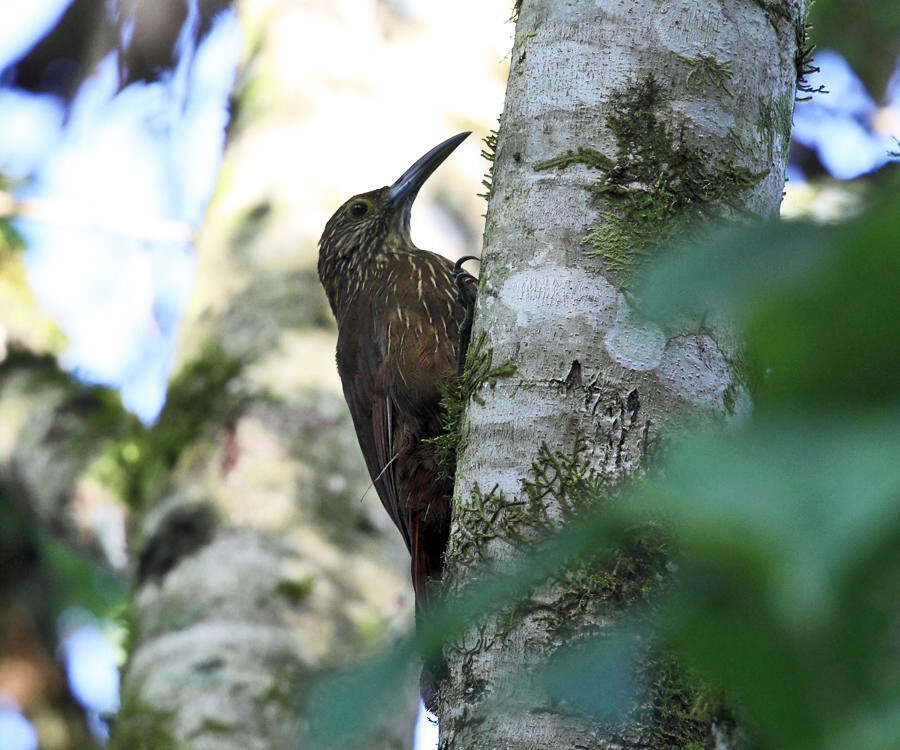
<point x="363" y="272"/>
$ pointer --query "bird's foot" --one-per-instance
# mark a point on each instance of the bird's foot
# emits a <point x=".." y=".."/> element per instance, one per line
<point x="465" y="292"/>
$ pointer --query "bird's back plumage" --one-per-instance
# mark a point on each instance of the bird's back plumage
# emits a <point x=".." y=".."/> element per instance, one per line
<point x="398" y="340"/>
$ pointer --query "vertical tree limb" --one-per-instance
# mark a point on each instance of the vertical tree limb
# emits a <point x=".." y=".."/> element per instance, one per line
<point x="626" y="122"/>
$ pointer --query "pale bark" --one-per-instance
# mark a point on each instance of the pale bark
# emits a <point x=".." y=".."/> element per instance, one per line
<point x="587" y="364"/>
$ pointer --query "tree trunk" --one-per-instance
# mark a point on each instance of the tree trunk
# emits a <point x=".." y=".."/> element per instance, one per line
<point x="625" y="120"/>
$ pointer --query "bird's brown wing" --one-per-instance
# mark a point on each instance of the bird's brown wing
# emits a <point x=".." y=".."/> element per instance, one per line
<point x="375" y="416"/>
<point x="383" y="431"/>
<point x="391" y="387"/>
<point x="372" y="409"/>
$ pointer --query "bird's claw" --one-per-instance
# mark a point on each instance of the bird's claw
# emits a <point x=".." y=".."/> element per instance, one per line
<point x="463" y="290"/>
<point x="466" y="295"/>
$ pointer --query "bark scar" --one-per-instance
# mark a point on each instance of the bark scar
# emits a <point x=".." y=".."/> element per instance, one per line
<point x="573" y="379"/>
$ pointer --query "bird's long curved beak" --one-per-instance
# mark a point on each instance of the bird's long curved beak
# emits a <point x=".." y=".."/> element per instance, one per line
<point x="404" y="190"/>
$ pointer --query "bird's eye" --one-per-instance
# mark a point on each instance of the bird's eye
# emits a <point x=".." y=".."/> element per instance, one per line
<point x="358" y="210"/>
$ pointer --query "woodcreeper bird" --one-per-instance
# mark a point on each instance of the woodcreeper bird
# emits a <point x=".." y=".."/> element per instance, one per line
<point x="404" y="316"/>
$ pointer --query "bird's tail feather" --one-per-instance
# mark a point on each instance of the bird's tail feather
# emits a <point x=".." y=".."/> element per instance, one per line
<point x="433" y="666"/>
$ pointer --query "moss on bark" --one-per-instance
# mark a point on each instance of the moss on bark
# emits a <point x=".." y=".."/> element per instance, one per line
<point x="479" y="371"/>
<point x="619" y="582"/>
<point x="657" y="187"/>
<point x="706" y="71"/>
<point x="138" y="462"/>
<point x="681" y="707"/>
<point x="140" y="726"/>
<point x="489" y="152"/>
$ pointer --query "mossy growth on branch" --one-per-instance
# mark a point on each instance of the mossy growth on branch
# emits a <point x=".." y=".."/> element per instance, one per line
<point x="489" y="152"/>
<point x="656" y="188"/>
<point x="564" y="479"/>
<point x="562" y="487"/>
<point x="618" y="581"/>
<point x="479" y="371"/>
<point x="706" y="71"/>
<point x="780" y="11"/>
<point x="582" y="155"/>
<point x="614" y="577"/>
<point x="803" y="61"/>
<point x="783" y="108"/>
<point x="141" y="726"/>
<point x="681" y="706"/>
<point x="138" y="463"/>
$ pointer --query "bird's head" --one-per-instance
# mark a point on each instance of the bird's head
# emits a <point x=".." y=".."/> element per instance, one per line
<point x="366" y="221"/>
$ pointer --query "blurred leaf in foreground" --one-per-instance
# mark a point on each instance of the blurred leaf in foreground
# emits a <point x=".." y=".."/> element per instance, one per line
<point x="818" y="305"/>
<point x="790" y="528"/>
